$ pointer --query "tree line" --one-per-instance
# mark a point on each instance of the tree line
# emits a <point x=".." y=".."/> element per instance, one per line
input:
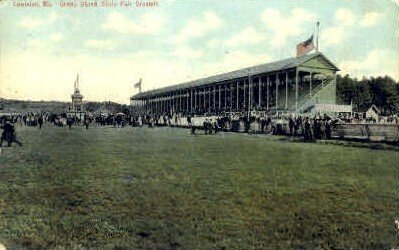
<point x="383" y="92"/>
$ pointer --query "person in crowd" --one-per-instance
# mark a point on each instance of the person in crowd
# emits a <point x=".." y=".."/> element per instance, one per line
<point x="86" y="122"/>
<point x="205" y="124"/>
<point x="192" y="129"/>
<point x="69" y="122"/>
<point x="215" y="127"/>
<point x="328" y="128"/>
<point x="291" y="125"/>
<point x="297" y="125"/>
<point x="9" y="134"/>
<point x="210" y="128"/>
<point x="40" y="121"/>
<point x="247" y="124"/>
<point x="308" y="135"/>
<point x="262" y="121"/>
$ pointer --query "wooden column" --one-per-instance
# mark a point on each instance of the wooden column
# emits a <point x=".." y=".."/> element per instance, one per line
<point x="181" y="100"/>
<point x="165" y="103"/>
<point x="259" y="92"/>
<point x="174" y="102"/>
<point x="220" y="98"/>
<point x="188" y="100"/>
<point x="214" y="97"/>
<point x="171" y="102"/>
<point x="225" y="97"/>
<point x="277" y="83"/>
<point x="209" y="99"/>
<point x="199" y="99"/>
<point x="202" y="95"/>
<point x="191" y="100"/>
<point x="204" y="99"/>
<point x="231" y="97"/>
<point x="296" y="90"/>
<point x="156" y="104"/>
<point x="286" y="90"/>
<point x="267" y="92"/>
<point x="245" y="97"/>
<point x="250" y="93"/>
<point x="238" y="98"/>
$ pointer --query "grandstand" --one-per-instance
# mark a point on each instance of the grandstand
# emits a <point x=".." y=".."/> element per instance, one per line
<point x="292" y="85"/>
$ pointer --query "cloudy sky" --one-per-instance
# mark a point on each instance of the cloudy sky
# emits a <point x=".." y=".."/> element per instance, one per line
<point x="42" y="49"/>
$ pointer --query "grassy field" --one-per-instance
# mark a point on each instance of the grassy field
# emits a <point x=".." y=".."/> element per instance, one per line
<point x="164" y="188"/>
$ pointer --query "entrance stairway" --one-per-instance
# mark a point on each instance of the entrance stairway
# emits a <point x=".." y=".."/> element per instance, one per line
<point x="307" y="100"/>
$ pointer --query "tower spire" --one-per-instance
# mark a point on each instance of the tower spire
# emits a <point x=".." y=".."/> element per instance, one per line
<point x="317" y="37"/>
<point x="77" y="82"/>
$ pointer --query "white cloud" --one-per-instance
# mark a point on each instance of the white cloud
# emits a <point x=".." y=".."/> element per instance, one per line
<point x="151" y="23"/>
<point x="119" y="23"/>
<point x="248" y="36"/>
<point x="370" y="18"/>
<point x="377" y="62"/>
<point x="285" y="26"/>
<point x="396" y="2"/>
<point x="57" y="37"/>
<point x="335" y="34"/>
<point x="332" y="35"/>
<point x="34" y="43"/>
<point x="148" y="23"/>
<point x="100" y="44"/>
<point x="188" y="53"/>
<point x="233" y="60"/>
<point x="30" y="22"/>
<point x="213" y="43"/>
<point x="345" y="17"/>
<point x="198" y="27"/>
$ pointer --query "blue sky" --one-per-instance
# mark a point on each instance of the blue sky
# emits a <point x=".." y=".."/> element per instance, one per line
<point x="42" y="49"/>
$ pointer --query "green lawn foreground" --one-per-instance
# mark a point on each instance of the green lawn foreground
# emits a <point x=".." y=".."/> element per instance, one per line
<point x="163" y="188"/>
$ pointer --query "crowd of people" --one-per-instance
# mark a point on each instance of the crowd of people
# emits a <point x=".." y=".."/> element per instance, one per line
<point x="310" y="128"/>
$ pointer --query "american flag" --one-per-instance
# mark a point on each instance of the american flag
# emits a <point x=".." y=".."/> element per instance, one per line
<point x="138" y="85"/>
<point x="305" y="47"/>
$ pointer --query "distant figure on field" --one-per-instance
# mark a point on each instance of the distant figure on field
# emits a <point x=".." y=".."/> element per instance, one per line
<point x="40" y="121"/>
<point x="192" y="129"/>
<point x="205" y="124"/>
<point x="69" y="122"/>
<point x="291" y="125"/>
<point x="216" y="127"/>
<point x="8" y="134"/>
<point x="87" y="123"/>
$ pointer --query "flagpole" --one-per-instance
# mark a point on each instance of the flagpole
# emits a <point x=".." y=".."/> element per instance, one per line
<point x="317" y="37"/>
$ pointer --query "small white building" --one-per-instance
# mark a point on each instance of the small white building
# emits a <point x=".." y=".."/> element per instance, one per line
<point x="372" y="113"/>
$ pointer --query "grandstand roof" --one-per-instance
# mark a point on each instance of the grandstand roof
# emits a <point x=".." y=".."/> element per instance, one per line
<point x="284" y="64"/>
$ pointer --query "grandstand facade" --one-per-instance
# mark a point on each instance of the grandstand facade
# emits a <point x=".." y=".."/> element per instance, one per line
<point x="289" y="85"/>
